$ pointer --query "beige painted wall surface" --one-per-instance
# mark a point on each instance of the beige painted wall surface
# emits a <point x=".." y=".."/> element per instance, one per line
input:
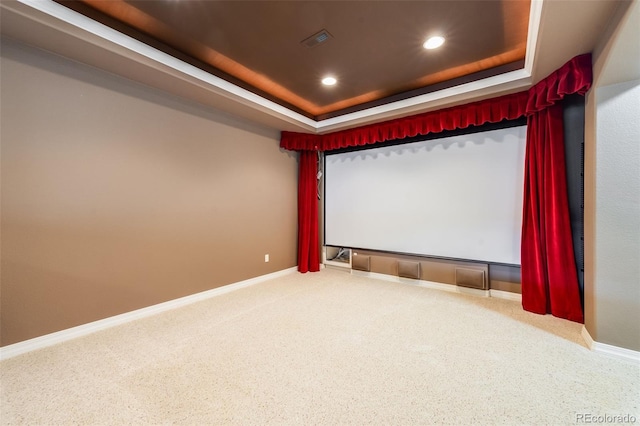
<point x="612" y="313"/>
<point x="612" y="187"/>
<point x="117" y="197"/>
<point x="618" y="214"/>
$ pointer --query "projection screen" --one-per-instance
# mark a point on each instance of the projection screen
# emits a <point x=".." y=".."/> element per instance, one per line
<point x="456" y="197"/>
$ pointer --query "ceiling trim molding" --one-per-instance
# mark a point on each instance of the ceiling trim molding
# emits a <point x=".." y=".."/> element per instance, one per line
<point x="491" y="86"/>
<point x="535" y="19"/>
<point x="80" y="26"/>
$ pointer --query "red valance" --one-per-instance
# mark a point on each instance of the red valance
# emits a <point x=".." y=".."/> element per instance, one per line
<point x="508" y="107"/>
<point x="573" y="77"/>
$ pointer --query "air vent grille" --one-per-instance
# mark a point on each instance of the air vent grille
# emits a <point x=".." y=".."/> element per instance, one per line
<point x="316" y="39"/>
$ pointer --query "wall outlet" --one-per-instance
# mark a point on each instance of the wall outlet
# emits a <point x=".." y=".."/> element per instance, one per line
<point x="266" y="258"/>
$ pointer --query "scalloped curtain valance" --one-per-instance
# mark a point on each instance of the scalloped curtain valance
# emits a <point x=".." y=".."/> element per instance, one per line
<point x="573" y="77"/>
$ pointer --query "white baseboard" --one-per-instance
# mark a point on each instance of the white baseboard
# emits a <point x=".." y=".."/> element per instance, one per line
<point x="507" y="295"/>
<point x="422" y="283"/>
<point x="335" y="267"/>
<point x="85" y="329"/>
<point x="610" y="350"/>
<point x="377" y="276"/>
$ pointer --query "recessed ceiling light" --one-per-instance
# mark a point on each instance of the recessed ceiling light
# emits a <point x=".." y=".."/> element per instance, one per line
<point x="434" y="42"/>
<point x="329" y="81"/>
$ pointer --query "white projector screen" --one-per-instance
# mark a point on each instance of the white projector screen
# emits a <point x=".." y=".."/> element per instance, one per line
<point x="456" y="197"/>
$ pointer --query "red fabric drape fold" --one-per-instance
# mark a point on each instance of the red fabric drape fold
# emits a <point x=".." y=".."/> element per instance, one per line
<point x="308" y="244"/>
<point x="549" y="279"/>
<point x="549" y="276"/>
<point x="573" y="77"/>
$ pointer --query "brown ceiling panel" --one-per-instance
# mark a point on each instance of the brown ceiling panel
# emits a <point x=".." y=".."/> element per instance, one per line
<point x="375" y="50"/>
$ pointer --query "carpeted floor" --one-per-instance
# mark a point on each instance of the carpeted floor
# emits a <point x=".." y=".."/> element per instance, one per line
<point x="324" y="348"/>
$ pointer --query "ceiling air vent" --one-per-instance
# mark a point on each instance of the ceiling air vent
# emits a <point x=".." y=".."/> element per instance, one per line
<point x="317" y="38"/>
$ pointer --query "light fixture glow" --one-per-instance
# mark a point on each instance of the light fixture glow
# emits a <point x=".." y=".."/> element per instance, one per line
<point x="434" y="42"/>
<point x="329" y="81"/>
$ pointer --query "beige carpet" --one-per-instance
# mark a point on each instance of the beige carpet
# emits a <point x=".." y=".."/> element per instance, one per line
<point x="324" y="348"/>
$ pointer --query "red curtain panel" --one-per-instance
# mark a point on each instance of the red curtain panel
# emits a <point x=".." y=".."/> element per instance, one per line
<point x="308" y="244"/>
<point x="549" y="276"/>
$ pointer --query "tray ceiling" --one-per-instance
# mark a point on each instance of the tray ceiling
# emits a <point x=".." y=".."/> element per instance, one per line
<point x="374" y="49"/>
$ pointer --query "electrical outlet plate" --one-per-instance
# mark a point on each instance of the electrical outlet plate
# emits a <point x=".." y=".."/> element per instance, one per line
<point x="266" y="258"/>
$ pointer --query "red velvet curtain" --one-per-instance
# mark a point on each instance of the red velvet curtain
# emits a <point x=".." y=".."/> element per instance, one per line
<point x="308" y="244"/>
<point x="549" y="276"/>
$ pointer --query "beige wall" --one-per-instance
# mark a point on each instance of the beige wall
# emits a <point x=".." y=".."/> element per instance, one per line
<point x="116" y="196"/>
<point x="612" y="187"/>
<point x="612" y="230"/>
